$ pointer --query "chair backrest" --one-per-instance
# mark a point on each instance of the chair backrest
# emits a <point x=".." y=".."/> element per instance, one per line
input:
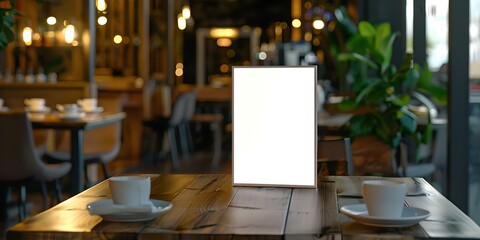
<point x="191" y="107"/>
<point x="18" y="158"/>
<point x="334" y="157"/>
<point x="184" y="104"/>
<point x="103" y="140"/>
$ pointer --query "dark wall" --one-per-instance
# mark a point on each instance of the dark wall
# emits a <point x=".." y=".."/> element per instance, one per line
<point x="236" y="13"/>
<point x="230" y="13"/>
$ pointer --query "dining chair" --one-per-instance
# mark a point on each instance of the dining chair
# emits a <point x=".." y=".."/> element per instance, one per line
<point x="20" y="162"/>
<point x="215" y="122"/>
<point x="417" y="160"/>
<point x="187" y="143"/>
<point x="334" y="157"/>
<point x="101" y="145"/>
<point x="409" y="166"/>
<point x="199" y="119"/>
<point x="163" y="126"/>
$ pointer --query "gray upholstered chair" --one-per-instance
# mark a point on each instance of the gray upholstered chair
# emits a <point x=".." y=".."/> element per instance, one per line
<point x="101" y="145"/>
<point x="186" y="139"/>
<point x="214" y="120"/>
<point x="20" y="162"/>
<point x="169" y="126"/>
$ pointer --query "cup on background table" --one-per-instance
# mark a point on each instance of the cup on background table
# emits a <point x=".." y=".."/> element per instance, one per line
<point x="35" y="104"/>
<point x="68" y="109"/>
<point x="384" y="198"/>
<point x="1" y="103"/>
<point x="88" y="104"/>
<point x="130" y="190"/>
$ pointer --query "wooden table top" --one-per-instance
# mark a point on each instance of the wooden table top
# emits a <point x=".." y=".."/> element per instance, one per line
<point x="207" y="206"/>
<point x="90" y="120"/>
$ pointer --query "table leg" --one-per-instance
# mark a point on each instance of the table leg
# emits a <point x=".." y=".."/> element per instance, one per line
<point x="76" y="146"/>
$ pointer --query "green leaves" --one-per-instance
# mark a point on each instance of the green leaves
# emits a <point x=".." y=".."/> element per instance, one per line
<point x="425" y="85"/>
<point x="408" y="121"/>
<point x="357" y="57"/>
<point x="366" y="30"/>
<point x="7" y="19"/>
<point x="374" y="44"/>
<point x="383" y="91"/>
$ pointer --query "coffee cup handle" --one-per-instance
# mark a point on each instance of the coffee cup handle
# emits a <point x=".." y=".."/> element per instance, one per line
<point x="80" y="102"/>
<point x="60" y="107"/>
<point x="27" y="102"/>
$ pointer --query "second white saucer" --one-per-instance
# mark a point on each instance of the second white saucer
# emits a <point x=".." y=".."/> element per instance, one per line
<point x="77" y="116"/>
<point x="410" y="216"/>
<point x="43" y="110"/>
<point x="96" y="110"/>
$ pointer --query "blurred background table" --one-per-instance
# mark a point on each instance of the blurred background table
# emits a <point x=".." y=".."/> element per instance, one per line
<point x="76" y="128"/>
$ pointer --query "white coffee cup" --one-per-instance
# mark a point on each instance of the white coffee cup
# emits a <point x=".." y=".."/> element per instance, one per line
<point x="35" y="104"/>
<point x="384" y="198"/>
<point x="88" y="104"/>
<point x="130" y="190"/>
<point x="68" y="109"/>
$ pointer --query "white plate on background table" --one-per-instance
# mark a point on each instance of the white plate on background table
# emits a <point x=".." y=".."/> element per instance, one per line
<point x="43" y="110"/>
<point x="410" y="216"/>
<point x="96" y="110"/>
<point x="71" y="117"/>
<point x="4" y="109"/>
<point x="124" y="216"/>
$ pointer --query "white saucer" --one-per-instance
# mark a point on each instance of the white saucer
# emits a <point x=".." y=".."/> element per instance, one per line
<point x="77" y="116"/>
<point x="44" y="110"/>
<point x="97" y="110"/>
<point x="410" y="216"/>
<point x="124" y="216"/>
<point x="4" y="109"/>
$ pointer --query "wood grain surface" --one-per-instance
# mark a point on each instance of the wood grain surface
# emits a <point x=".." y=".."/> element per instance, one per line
<point x="207" y="206"/>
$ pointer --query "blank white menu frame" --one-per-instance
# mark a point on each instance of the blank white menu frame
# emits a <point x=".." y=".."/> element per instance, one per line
<point x="274" y="126"/>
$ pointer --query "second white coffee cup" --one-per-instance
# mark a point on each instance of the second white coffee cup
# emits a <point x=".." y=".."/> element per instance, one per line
<point x="384" y="198"/>
<point x="130" y="190"/>
<point x="88" y="104"/>
<point x="35" y="104"/>
<point x="68" y="109"/>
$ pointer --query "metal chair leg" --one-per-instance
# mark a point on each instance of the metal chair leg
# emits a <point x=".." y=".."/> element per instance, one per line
<point x="44" y="189"/>
<point x="182" y="131"/>
<point x="173" y="147"/>
<point x="22" y="202"/>
<point x="217" y="145"/>
<point x="191" y="144"/>
<point x="106" y="173"/>
<point x="58" y="190"/>
<point x="87" y="177"/>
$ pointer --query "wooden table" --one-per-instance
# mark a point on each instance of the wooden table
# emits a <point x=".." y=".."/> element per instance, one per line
<point x="76" y="128"/>
<point x="206" y="206"/>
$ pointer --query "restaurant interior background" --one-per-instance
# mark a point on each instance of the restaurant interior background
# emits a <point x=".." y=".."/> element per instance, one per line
<point x="139" y="48"/>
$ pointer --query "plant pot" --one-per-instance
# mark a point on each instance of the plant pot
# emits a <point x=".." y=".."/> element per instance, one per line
<point x="373" y="157"/>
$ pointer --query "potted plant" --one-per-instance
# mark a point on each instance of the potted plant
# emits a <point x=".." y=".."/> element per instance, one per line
<point x="382" y="91"/>
<point x="7" y="18"/>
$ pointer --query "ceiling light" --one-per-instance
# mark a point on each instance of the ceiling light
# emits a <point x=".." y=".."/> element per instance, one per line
<point x="224" y="33"/>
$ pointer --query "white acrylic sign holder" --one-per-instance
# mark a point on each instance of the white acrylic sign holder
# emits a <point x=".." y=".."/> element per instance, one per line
<point x="274" y="126"/>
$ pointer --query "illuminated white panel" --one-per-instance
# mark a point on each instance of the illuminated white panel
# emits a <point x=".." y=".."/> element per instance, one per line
<point x="274" y="126"/>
